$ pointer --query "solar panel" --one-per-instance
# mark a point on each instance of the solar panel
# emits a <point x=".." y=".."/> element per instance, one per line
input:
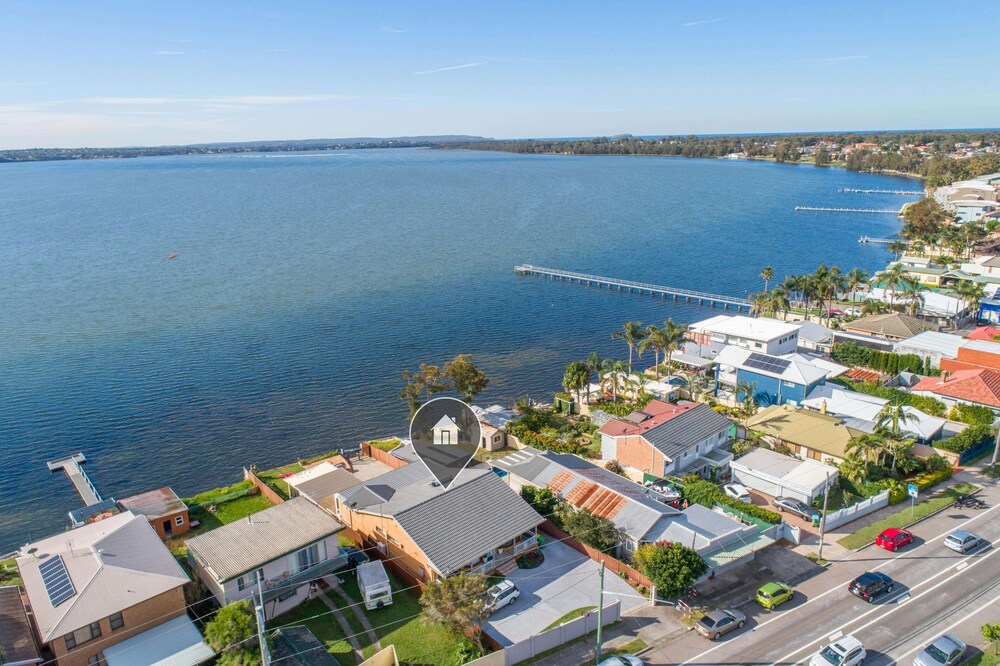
<point x="767" y="363"/>
<point x="56" y="579"/>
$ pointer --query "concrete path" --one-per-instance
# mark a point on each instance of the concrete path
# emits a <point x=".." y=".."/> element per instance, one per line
<point x="344" y="626"/>
<point x="356" y="609"/>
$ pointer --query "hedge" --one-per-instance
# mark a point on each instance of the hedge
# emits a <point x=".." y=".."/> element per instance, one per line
<point x="970" y="437"/>
<point x="972" y="414"/>
<point x="623" y="408"/>
<point x="544" y="442"/>
<point x="707" y="493"/>
<point x="924" y="403"/>
<point x="887" y="363"/>
<point x="928" y="479"/>
<point x="760" y="512"/>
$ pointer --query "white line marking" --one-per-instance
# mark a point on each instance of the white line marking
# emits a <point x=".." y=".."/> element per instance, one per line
<point x="834" y="636"/>
<point x="903" y="599"/>
<point x="961" y="565"/>
<point x="953" y="625"/>
<point x="909" y="551"/>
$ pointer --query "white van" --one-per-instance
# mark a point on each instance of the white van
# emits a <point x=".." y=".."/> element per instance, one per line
<point x="374" y="584"/>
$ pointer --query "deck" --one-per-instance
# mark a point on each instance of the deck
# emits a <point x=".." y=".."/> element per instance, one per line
<point x="632" y="286"/>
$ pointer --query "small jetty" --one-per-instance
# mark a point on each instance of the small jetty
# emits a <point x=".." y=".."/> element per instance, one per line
<point x="823" y="209"/>
<point x="883" y="241"/>
<point x="909" y="193"/>
<point x="632" y="286"/>
<point x="72" y="465"/>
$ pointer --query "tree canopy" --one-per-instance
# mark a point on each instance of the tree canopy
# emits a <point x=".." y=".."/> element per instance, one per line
<point x="673" y="568"/>
<point x="232" y="633"/>
<point x="458" y="603"/>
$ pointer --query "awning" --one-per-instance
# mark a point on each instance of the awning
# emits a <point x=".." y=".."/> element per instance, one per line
<point x="692" y="360"/>
<point x="174" y="643"/>
<point x="736" y="551"/>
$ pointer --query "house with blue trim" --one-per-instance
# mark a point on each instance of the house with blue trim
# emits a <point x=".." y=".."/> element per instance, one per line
<point x="777" y="379"/>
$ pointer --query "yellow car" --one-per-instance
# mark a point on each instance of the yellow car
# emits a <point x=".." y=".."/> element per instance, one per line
<point x="773" y="594"/>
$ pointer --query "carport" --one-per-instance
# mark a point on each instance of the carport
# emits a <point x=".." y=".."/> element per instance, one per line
<point x="778" y="475"/>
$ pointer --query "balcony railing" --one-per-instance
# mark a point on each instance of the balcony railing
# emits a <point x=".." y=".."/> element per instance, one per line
<point x="506" y="556"/>
<point x="288" y="582"/>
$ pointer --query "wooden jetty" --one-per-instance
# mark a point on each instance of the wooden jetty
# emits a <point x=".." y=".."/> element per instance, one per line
<point x="72" y="465"/>
<point x="854" y="190"/>
<point x="883" y="241"/>
<point x="824" y="209"/>
<point x="632" y="286"/>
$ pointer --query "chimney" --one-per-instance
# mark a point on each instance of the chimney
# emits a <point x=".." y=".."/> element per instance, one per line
<point x="822" y="407"/>
<point x="944" y="376"/>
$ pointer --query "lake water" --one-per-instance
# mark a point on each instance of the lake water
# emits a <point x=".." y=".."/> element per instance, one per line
<point x="304" y="284"/>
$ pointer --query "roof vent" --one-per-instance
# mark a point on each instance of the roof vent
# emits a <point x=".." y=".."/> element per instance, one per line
<point x="435" y="484"/>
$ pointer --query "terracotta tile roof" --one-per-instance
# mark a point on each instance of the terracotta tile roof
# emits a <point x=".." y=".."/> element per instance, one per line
<point x="862" y="375"/>
<point x="979" y="386"/>
<point x="984" y="333"/>
<point x="654" y="414"/>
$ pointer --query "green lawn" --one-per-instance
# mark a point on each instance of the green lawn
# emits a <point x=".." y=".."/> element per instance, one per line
<point x="904" y="516"/>
<point x="278" y="485"/>
<point x="386" y="445"/>
<point x="572" y="615"/>
<point x="226" y="512"/>
<point x="988" y="657"/>
<point x="629" y="648"/>
<point x="416" y="642"/>
<point x="8" y="573"/>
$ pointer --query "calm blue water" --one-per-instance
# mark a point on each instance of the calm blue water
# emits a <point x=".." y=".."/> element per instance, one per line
<point x="306" y="282"/>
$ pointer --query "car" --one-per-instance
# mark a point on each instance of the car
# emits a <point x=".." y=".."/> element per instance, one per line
<point x="738" y="492"/>
<point x="947" y="650"/>
<point x="718" y="622"/>
<point x="502" y="594"/>
<point x="962" y="541"/>
<point x="621" y="660"/>
<point x="845" y="651"/>
<point x="773" y="594"/>
<point x="870" y="586"/>
<point x="797" y="507"/>
<point x="893" y="539"/>
<point x="355" y="557"/>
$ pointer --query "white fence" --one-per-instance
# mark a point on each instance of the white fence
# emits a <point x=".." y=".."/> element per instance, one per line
<point x="552" y="638"/>
<point x="784" y="531"/>
<point x="862" y="508"/>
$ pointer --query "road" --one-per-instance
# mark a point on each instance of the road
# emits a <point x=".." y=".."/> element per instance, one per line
<point x="936" y="590"/>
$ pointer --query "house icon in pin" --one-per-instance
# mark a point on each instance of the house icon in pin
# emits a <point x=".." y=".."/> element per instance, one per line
<point x="446" y="431"/>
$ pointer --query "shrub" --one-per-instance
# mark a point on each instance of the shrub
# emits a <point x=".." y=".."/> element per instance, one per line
<point x="743" y="447"/>
<point x="541" y="500"/>
<point x="752" y="510"/>
<point x="595" y="531"/>
<point x="971" y="414"/>
<point x="928" y="479"/>
<point x="970" y="437"/>
<point x="623" y="407"/>
<point x="672" y="567"/>
<point x="708" y="494"/>
<point x="936" y="463"/>
<point x="616" y="467"/>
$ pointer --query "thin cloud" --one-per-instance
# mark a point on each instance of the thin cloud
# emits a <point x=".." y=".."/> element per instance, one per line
<point x="449" y="69"/>
<point x="253" y="100"/>
<point x="20" y="84"/>
<point x="691" y="24"/>
<point x="170" y="53"/>
<point x="838" y="58"/>
<point x="395" y="31"/>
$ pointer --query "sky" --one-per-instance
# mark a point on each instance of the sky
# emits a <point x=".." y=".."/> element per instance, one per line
<point x="116" y="73"/>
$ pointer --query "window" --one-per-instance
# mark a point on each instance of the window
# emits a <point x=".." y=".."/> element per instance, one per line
<point x="248" y="580"/>
<point x="379" y="530"/>
<point x="287" y="594"/>
<point x="70" y="641"/>
<point x="95" y="629"/>
<point x="308" y="557"/>
<point x="393" y="541"/>
<point x="94" y="660"/>
<point x="81" y="636"/>
<point x="179" y="520"/>
<point x="117" y="621"/>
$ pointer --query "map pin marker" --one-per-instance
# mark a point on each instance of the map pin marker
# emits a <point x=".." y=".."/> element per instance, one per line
<point x="445" y="434"/>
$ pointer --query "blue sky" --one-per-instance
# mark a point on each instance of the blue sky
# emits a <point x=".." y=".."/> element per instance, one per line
<point x="111" y="73"/>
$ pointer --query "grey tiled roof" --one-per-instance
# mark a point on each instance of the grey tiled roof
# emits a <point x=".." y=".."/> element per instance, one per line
<point x="234" y="549"/>
<point x="686" y="430"/>
<point x="457" y="526"/>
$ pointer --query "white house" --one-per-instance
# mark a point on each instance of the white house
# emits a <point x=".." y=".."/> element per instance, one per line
<point x="446" y="431"/>
<point x="282" y="549"/>
<point x="762" y="334"/>
<point x="860" y="411"/>
<point x="778" y="475"/>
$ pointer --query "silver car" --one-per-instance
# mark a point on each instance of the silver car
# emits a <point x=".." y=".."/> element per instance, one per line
<point x="718" y="622"/>
<point x="962" y="541"/>
<point x="947" y="650"/>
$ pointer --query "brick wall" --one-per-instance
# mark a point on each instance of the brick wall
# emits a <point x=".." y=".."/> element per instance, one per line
<point x="382" y="456"/>
<point x="633" y="451"/>
<point x="265" y="490"/>
<point x="610" y="563"/>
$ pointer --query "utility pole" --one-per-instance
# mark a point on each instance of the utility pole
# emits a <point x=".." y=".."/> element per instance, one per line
<point x="265" y="654"/>
<point x="600" y="613"/>
<point x="996" y="450"/>
<point x="822" y="519"/>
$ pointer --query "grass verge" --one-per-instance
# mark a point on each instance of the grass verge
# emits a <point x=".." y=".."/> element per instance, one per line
<point x="905" y="516"/>
<point x="572" y="615"/>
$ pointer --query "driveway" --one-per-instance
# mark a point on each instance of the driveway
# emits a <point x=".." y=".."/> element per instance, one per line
<point x="564" y="582"/>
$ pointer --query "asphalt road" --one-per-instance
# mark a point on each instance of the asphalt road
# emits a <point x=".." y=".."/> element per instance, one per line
<point x="936" y="590"/>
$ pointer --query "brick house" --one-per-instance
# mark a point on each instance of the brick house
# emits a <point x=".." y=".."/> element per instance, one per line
<point x="102" y="584"/>
<point x="164" y="510"/>
<point x="426" y="532"/>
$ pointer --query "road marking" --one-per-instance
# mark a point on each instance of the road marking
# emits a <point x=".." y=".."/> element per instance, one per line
<point x="838" y="587"/>
<point x="791" y="654"/>
<point x="961" y="565"/>
<point x="834" y="636"/>
<point x="903" y="599"/>
<point x="953" y="625"/>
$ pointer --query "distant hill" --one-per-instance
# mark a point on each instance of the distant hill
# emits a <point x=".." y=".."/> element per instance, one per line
<point x="50" y="154"/>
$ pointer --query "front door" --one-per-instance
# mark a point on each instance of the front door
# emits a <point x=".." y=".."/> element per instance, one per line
<point x="168" y="528"/>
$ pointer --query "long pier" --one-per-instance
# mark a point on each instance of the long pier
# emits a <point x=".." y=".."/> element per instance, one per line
<point x="883" y="241"/>
<point x="854" y="190"/>
<point x="823" y="209"/>
<point x="85" y="488"/>
<point x="632" y="286"/>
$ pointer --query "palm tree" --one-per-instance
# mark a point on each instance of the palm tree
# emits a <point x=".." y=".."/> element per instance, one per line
<point x="891" y="278"/>
<point x="768" y="274"/>
<point x="673" y="336"/>
<point x="612" y="373"/>
<point x="778" y="302"/>
<point x="748" y="404"/>
<point x="656" y="340"/>
<point x="971" y="292"/>
<point x="891" y="417"/>
<point x="594" y="366"/>
<point x="854" y="468"/>
<point x="758" y="303"/>
<point x="696" y="384"/>
<point x="791" y="286"/>
<point x="915" y="300"/>
<point x="632" y="334"/>
<point x="576" y="378"/>
<point x="855" y="279"/>
<point x="869" y="446"/>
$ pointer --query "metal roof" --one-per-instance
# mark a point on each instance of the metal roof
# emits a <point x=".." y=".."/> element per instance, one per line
<point x="686" y="430"/>
<point x="155" y="503"/>
<point x="297" y="646"/>
<point x="176" y="642"/>
<point x="702" y="529"/>
<point x="322" y="482"/>
<point x="234" y="549"/>
<point x="113" y="564"/>
<point x="15" y="632"/>
<point x="805" y="476"/>
<point x="931" y="342"/>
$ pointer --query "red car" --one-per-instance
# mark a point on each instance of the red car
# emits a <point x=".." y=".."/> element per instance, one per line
<point x="893" y="539"/>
